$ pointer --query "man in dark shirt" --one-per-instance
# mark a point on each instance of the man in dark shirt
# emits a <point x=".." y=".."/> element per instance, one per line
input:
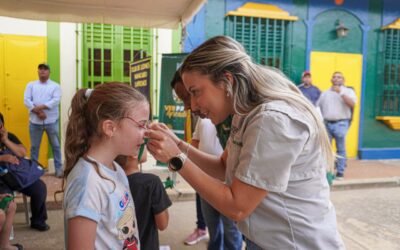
<point x="308" y="89"/>
<point x="150" y="199"/>
<point x="38" y="190"/>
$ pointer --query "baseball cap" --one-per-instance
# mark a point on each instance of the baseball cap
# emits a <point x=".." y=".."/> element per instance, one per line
<point x="305" y="73"/>
<point x="44" y="65"/>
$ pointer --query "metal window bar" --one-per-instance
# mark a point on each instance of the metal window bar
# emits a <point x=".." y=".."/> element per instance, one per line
<point x="266" y="40"/>
<point x="92" y="56"/>
<point x="263" y="38"/>
<point x="258" y="37"/>
<point x="102" y="53"/>
<point x="114" y="39"/>
<point x="389" y="98"/>
<point x="281" y="44"/>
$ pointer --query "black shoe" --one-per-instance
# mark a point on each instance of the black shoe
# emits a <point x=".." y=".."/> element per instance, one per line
<point x="339" y="176"/>
<point x="18" y="246"/>
<point x="40" y="227"/>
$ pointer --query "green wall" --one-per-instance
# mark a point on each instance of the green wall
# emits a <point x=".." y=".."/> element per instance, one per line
<point x="53" y="59"/>
<point x="324" y="36"/>
<point x="176" y="40"/>
<point x="215" y="18"/>
<point x="298" y="56"/>
<point x="375" y="133"/>
<point x="53" y="50"/>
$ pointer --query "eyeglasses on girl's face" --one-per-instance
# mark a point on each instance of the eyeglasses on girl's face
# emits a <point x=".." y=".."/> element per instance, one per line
<point x="141" y="124"/>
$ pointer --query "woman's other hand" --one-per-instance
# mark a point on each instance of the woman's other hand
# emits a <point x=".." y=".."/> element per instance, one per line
<point x="160" y="144"/>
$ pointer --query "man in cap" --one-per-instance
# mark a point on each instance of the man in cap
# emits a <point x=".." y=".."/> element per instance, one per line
<point x="42" y="98"/>
<point x="308" y="89"/>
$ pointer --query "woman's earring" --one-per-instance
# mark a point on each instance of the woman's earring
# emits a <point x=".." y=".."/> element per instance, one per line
<point x="227" y="94"/>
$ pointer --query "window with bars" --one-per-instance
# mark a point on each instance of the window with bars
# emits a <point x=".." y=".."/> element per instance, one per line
<point x="264" y="39"/>
<point x="389" y="98"/>
<point x="108" y="51"/>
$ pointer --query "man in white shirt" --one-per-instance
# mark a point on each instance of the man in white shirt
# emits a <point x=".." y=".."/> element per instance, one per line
<point x="336" y="106"/>
<point x="42" y="98"/>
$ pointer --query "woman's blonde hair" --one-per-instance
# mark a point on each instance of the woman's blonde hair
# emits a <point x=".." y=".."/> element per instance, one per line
<point x="253" y="84"/>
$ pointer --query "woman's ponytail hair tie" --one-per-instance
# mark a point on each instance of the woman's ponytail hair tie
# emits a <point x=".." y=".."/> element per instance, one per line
<point x="88" y="93"/>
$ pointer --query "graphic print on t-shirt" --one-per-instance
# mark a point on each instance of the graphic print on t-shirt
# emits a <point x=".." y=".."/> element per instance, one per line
<point x="126" y="225"/>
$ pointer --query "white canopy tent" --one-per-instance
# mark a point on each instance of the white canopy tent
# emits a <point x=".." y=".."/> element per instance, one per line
<point x="136" y="13"/>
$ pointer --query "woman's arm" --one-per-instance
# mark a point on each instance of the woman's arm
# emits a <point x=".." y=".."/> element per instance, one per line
<point x="211" y="164"/>
<point x="236" y="201"/>
<point x="81" y="233"/>
<point x="17" y="149"/>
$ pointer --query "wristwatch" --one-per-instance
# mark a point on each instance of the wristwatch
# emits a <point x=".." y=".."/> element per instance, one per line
<point x="176" y="162"/>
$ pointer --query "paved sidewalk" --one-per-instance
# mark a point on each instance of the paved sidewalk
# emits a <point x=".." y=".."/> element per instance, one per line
<point x="368" y="219"/>
<point x="182" y="214"/>
<point x="359" y="174"/>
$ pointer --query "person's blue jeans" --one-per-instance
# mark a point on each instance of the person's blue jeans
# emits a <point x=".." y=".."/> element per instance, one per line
<point x="52" y="131"/>
<point x="223" y="232"/>
<point x="338" y="131"/>
<point x="199" y="213"/>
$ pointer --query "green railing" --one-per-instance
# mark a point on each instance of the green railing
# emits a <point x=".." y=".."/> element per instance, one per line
<point x="265" y="40"/>
<point x="108" y="50"/>
<point x="389" y="83"/>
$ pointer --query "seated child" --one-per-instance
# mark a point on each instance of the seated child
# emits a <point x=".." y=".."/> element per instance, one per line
<point x="150" y="199"/>
<point x="7" y="212"/>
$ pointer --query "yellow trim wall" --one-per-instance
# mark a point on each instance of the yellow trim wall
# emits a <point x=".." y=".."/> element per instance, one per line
<point x="19" y="58"/>
<point x="323" y="64"/>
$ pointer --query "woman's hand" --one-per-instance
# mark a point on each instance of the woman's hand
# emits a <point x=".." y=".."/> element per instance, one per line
<point x="160" y="144"/>
<point x="164" y="128"/>
<point x="9" y="158"/>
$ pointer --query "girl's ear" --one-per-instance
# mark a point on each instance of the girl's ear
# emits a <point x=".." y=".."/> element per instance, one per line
<point x="108" y="127"/>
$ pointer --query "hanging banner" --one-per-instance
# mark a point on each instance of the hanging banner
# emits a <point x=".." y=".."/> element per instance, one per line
<point x="172" y="111"/>
<point x="140" y="76"/>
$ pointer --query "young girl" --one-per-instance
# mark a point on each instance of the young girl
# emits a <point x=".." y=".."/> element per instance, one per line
<point x="105" y="122"/>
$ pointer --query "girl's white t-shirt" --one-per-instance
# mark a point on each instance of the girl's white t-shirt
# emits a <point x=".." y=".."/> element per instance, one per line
<point x="106" y="200"/>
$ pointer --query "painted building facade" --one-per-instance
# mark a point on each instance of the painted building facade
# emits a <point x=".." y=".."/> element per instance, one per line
<point x="79" y="55"/>
<point x="298" y="35"/>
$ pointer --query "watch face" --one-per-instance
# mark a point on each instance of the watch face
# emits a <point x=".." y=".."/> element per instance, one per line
<point x="176" y="163"/>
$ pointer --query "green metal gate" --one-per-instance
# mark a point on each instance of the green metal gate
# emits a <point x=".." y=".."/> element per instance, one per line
<point x="389" y="98"/>
<point x="108" y="50"/>
<point x="265" y="40"/>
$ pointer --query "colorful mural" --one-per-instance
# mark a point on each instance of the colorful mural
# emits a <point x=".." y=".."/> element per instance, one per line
<point x="313" y="36"/>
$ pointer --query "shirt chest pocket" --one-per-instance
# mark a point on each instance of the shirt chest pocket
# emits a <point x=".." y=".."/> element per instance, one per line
<point x="234" y="146"/>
